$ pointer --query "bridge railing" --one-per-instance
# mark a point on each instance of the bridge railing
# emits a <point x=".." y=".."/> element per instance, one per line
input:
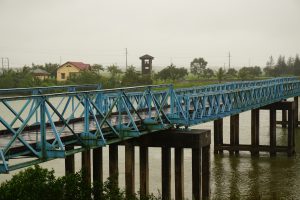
<point x="41" y="125"/>
<point x="50" y="89"/>
<point x="202" y="107"/>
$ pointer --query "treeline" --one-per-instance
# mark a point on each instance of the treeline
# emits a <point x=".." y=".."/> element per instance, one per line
<point x="36" y="183"/>
<point x="283" y="67"/>
<point x="115" y="77"/>
<point x="112" y="76"/>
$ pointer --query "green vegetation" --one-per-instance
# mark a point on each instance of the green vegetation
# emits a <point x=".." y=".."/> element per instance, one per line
<point x="112" y="76"/>
<point x="36" y="183"/>
<point x="283" y="68"/>
<point x="171" y="73"/>
<point x="220" y="74"/>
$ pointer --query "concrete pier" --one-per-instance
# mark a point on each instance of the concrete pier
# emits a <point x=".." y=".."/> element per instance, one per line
<point x="218" y="135"/>
<point x="196" y="140"/>
<point x="288" y="108"/>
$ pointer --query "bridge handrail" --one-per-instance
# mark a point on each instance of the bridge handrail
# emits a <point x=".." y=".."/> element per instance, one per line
<point x="85" y="92"/>
<point x="122" y="113"/>
<point x="35" y="90"/>
<point x="233" y="90"/>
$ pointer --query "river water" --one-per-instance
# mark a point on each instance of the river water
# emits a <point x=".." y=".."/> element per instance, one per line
<point x="232" y="177"/>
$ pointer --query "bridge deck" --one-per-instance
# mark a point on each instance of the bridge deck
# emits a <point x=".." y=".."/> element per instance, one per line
<point x="42" y="124"/>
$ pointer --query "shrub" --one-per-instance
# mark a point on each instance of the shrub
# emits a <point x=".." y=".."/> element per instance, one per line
<point x="36" y="183"/>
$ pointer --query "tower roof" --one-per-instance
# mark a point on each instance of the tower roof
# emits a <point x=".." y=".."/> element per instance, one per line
<point x="146" y="56"/>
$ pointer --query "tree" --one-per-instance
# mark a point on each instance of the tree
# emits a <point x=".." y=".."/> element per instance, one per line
<point x="36" y="183"/>
<point x="97" y="68"/>
<point x="34" y="66"/>
<point x="220" y="74"/>
<point x="172" y="73"/>
<point x="115" y="75"/>
<point x="270" y="67"/>
<point x="244" y="74"/>
<point x="256" y="71"/>
<point x="208" y="73"/>
<point x="198" y="66"/>
<point x="232" y="73"/>
<point x="33" y="183"/>
<point x="281" y="66"/>
<point x="131" y="77"/>
<point x="270" y="62"/>
<point x="85" y="77"/>
<point x="51" y="68"/>
<point x="249" y="72"/>
<point x="297" y="65"/>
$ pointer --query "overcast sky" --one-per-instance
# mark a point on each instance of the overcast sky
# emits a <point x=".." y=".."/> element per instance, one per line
<point x="40" y="31"/>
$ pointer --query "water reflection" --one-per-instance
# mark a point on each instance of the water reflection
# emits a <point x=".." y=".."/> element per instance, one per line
<point x="234" y="178"/>
<point x="263" y="177"/>
<point x="245" y="177"/>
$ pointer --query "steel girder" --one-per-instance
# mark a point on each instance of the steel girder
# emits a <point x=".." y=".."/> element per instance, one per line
<point x="39" y="126"/>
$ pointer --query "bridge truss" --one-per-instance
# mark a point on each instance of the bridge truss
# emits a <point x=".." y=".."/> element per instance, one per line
<point x="37" y="124"/>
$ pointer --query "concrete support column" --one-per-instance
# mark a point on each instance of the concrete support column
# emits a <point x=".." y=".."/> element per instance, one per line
<point x="284" y="119"/>
<point x="206" y="172"/>
<point x="113" y="163"/>
<point x="255" y="132"/>
<point x="291" y="131"/>
<point x="179" y="174"/>
<point x="129" y="171"/>
<point x="218" y="135"/>
<point x="296" y="100"/>
<point x="98" y="165"/>
<point x="234" y="132"/>
<point x="166" y="173"/>
<point x="97" y="171"/>
<point x="69" y="162"/>
<point x="86" y="165"/>
<point x="144" y="172"/>
<point x="196" y="173"/>
<point x="273" y="132"/>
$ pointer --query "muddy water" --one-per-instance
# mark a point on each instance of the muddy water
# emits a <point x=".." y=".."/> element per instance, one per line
<point x="232" y="177"/>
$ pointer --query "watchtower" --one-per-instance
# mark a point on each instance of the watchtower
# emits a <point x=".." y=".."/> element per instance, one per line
<point x="146" y="64"/>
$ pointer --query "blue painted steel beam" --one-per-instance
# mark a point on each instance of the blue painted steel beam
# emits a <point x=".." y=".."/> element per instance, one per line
<point x="94" y="118"/>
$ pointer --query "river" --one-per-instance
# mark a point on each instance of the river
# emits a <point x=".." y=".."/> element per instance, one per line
<point x="232" y="177"/>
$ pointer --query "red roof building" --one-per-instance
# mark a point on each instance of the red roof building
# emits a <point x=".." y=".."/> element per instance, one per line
<point x="70" y="69"/>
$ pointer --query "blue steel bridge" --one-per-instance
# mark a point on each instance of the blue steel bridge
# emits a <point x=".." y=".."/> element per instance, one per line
<point x="36" y="124"/>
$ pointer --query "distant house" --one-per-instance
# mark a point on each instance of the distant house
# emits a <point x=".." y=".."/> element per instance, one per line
<point x="40" y="74"/>
<point x="70" y="69"/>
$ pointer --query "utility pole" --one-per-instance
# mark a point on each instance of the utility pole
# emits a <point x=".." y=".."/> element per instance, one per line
<point x="229" y="59"/>
<point x="5" y="62"/>
<point x="126" y="53"/>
